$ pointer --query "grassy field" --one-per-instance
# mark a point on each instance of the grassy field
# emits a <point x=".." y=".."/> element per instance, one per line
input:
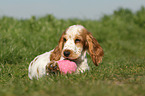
<point x="122" y="72"/>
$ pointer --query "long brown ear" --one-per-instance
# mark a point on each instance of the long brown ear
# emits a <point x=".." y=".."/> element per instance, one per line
<point x="56" y="54"/>
<point x="94" y="49"/>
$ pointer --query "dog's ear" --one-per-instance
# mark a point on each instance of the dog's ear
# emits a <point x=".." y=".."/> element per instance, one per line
<point x="94" y="49"/>
<point x="56" y="54"/>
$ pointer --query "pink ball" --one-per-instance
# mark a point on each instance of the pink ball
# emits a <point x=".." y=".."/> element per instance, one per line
<point x="66" y="66"/>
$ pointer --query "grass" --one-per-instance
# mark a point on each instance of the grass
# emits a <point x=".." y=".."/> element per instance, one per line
<point x="122" y="72"/>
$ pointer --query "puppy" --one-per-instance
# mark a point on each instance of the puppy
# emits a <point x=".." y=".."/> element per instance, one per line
<point x="73" y="45"/>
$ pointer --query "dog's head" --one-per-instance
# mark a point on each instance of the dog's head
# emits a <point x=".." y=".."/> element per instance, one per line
<point x="74" y="42"/>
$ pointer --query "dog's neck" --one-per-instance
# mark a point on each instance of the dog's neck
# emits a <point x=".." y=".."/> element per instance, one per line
<point x="82" y="64"/>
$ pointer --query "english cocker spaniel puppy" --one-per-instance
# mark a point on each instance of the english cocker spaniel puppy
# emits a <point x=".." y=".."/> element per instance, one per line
<point x="73" y="45"/>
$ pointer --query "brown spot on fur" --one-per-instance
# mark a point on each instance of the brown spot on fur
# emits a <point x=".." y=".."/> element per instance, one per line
<point x="31" y="63"/>
<point x="37" y="71"/>
<point x="34" y="61"/>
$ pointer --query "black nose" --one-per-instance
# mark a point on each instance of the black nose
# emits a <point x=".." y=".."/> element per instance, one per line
<point x="66" y="53"/>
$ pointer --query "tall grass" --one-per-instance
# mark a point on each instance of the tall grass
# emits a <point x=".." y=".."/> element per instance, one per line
<point x="122" y="72"/>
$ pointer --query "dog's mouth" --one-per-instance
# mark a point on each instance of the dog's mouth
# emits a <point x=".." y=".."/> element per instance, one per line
<point x="71" y="59"/>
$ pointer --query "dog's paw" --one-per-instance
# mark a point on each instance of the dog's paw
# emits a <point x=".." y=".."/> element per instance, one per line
<point x="52" y="68"/>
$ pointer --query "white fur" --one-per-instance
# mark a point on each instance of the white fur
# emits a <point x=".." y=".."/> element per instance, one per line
<point x="37" y="67"/>
<point x="74" y="30"/>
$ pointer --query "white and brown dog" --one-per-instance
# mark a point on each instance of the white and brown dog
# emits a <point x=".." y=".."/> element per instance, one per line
<point x="73" y="45"/>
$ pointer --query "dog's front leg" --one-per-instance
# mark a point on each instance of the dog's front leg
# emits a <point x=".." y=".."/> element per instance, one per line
<point x="52" y="68"/>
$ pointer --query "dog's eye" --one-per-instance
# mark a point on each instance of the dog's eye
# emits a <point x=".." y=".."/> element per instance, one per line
<point x="64" y="39"/>
<point x="77" y="40"/>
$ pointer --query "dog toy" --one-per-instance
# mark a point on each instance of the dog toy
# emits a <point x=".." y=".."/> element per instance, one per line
<point x="66" y="66"/>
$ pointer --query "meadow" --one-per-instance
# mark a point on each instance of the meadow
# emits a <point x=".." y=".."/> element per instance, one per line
<point x="122" y="72"/>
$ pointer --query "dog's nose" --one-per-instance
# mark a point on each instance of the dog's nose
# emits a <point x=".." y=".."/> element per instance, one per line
<point x="66" y="53"/>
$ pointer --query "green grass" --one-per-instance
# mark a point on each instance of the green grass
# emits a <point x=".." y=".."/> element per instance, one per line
<point x="122" y="72"/>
